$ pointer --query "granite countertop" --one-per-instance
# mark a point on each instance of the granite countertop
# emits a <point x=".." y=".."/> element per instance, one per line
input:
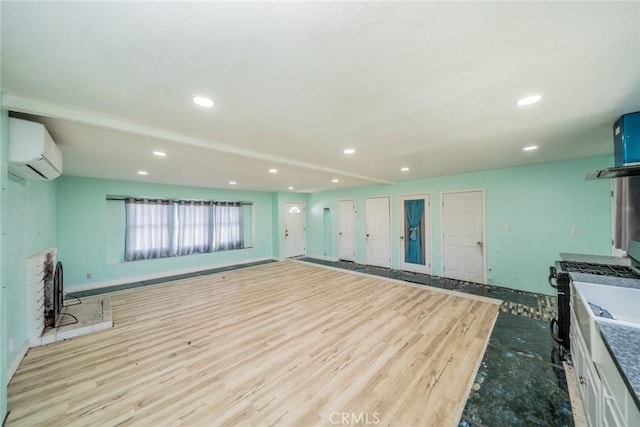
<point x="605" y="280"/>
<point x="623" y="343"/>
<point x="595" y="259"/>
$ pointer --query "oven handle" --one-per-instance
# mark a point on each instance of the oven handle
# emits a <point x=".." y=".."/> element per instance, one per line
<point x="553" y="334"/>
<point x="553" y="274"/>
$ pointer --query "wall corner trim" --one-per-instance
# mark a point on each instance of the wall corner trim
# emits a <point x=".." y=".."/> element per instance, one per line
<point x="16" y="362"/>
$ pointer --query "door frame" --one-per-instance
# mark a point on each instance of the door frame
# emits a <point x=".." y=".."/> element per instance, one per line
<point x="284" y="226"/>
<point x="353" y="231"/>
<point x="428" y="242"/>
<point x="484" y="229"/>
<point x="390" y="228"/>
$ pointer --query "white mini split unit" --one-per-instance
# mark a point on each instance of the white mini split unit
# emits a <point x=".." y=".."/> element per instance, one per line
<point x="32" y="152"/>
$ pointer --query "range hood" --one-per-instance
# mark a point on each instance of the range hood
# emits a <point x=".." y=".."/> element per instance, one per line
<point x="626" y="147"/>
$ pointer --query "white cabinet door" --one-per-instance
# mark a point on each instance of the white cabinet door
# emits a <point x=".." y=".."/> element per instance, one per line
<point x="586" y="376"/>
<point x="378" y="233"/>
<point x="592" y="393"/>
<point x="346" y="230"/>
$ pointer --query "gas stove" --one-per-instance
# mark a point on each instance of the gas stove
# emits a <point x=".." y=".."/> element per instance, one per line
<point x="598" y="269"/>
<point x="560" y="279"/>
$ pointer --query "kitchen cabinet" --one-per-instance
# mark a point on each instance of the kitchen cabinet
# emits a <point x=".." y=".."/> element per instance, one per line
<point x="587" y="376"/>
<point x="618" y="405"/>
<point x="606" y="399"/>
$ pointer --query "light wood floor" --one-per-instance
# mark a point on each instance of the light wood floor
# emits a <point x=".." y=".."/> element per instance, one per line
<point x="278" y="344"/>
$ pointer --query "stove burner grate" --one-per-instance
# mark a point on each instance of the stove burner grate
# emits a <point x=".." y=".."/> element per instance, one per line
<point x="598" y="269"/>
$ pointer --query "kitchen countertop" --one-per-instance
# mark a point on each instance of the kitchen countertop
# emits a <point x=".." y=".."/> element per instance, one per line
<point x="623" y="344"/>
<point x="605" y="280"/>
<point x="595" y="259"/>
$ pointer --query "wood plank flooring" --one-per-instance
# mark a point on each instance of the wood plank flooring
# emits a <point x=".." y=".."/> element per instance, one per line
<point x="278" y="344"/>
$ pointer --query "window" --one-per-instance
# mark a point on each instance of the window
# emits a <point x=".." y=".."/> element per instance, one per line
<point x="294" y="210"/>
<point x="195" y="227"/>
<point x="228" y="222"/>
<point x="149" y="230"/>
<point x="164" y="228"/>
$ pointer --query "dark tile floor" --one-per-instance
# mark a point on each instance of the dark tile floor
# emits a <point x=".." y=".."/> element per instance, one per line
<point x="520" y="381"/>
<point x="92" y="292"/>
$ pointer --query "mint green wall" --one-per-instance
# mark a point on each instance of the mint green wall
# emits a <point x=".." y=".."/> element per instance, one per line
<point x="541" y="204"/>
<point x="275" y="214"/>
<point x="83" y="229"/>
<point x="28" y="223"/>
<point x="29" y="226"/>
<point x="3" y="281"/>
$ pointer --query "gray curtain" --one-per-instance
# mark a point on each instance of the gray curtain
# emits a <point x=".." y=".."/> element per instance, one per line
<point x="627" y="205"/>
<point x="228" y="226"/>
<point x="149" y="229"/>
<point x="195" y="227"/>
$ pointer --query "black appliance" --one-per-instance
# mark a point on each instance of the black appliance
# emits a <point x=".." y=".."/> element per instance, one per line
<point x="560" y="279"/>
<point x="559" y="326"/>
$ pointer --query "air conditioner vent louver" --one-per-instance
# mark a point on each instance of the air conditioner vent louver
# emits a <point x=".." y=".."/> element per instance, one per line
<point x="32" y="152"/>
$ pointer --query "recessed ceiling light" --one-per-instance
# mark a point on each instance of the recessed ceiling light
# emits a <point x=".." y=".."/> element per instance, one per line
<point x="143" y="173"/>
<point x="404" y="169"/>
<point x="232" y="182"/>
<point x="334" y="180"/>
<point x="160" y="153"/>
<point x="290" y="188"/>
<point x="528" y="100"/>
<point x="530" y="148"/>
<point x="273" y="170"/>
<point x="349" y="151"/>
<point x="203" y="101"/>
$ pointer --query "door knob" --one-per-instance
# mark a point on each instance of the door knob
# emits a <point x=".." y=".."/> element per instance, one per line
<point x="479" y="244"/>
<point x="340" y="233"/>
<point x="401" y="237"/>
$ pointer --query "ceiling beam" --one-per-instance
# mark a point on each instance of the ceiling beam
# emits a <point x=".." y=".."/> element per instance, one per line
<point x="40" y="108"/>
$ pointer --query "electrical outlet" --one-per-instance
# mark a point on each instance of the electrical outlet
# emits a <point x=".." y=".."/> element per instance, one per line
<point x="89" y="275"/>
<point x="506" y="227"/>
<point x="575" y="231"/>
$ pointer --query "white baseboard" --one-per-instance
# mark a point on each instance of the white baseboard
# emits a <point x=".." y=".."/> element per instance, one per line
<point x="13" y="367"/>
<point x="125" y="280"/>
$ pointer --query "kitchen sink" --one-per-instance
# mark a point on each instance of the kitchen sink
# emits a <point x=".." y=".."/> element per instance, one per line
<point x="612" y="304"/>
<point x="623" y="304"/>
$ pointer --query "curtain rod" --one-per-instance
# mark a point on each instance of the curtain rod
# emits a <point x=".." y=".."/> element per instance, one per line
<point x="123" y="198"/>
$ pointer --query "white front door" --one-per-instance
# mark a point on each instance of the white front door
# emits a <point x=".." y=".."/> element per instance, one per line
<point x="378" y="233"/>
<point x="463" y="236"/>
<point x="415" y="233"/>
<point x="346" y="230"/>
<point x="294" y="229"/>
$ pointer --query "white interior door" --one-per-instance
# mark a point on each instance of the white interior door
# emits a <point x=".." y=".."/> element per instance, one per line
<point x="346" y="230"/>
<point x="415" y="233"/>
<point x="378" y="233"/>
<point x="294" y="229"/>
<point x="463" y="242"/>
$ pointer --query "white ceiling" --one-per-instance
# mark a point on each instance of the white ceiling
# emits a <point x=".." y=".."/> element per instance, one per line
<point x="428" y="85"/>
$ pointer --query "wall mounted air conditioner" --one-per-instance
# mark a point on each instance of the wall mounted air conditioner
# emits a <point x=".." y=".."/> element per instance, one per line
<point x="32" y="152"/>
